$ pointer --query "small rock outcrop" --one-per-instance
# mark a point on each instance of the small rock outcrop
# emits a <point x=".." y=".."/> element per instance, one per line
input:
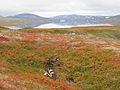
<point x="50" y="67"/>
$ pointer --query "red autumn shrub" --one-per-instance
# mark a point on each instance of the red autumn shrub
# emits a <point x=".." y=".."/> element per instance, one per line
<point x="4" y="39"/>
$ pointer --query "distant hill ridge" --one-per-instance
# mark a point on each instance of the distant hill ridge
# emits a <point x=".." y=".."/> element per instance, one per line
<point x="22" y="19"/>
<point x="114" y="20"/>
<point x="80" y="19"/>
<point x="27" y="16"/>
<point x="72" y="19"/>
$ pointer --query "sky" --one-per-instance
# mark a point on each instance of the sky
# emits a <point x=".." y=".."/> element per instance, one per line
<point x="49" y="8"/>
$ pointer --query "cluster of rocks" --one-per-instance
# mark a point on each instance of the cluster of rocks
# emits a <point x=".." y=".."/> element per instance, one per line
<point x="50" y="67"/>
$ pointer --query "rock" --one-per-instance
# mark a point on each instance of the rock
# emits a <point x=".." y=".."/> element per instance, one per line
<point x="50" y="67"/>
<point x="70" y="80"/>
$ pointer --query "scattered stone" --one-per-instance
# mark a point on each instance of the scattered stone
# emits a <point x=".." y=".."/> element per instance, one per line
<point x="50" y="67"/>
<point x="51" y="73"/>
<point x="70" y="80"/>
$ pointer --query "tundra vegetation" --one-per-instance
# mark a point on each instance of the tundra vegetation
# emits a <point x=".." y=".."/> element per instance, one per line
<point x="86" y="58"/>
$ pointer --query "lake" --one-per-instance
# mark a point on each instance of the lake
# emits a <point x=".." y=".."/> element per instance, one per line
<point x="53" y="25"/>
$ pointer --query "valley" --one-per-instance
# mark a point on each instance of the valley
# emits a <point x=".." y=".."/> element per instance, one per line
<point x="26" y="20"/>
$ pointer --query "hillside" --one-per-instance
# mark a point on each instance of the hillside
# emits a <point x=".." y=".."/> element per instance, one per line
<point x="87" y="19"/>
<point x="28" y="16"/>
<point x="78" y="58"/>
<point x="72" y="19"/>
<point x="114" y="20"/>
<point x="79" y="19"/>
<point x="5" y="21"/>
<point x="10" y="21"/>
<point x="64" y="19"/>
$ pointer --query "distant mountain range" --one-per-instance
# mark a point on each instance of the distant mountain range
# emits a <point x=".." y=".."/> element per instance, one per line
<point x="22" y="19"/>
<point x="79" y="19"/>
<point x="28" y="16"/>
<point x="4" y="21"/>
<point x="114" y="20"/>
<point x="87" y="19"/>
<point x="73" y="19"/>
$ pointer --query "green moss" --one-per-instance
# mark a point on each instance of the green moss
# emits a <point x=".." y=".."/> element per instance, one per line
<point x="54" y="31"/>
<point x="24" y="69"/>
<point x="115" y="34"/>
<point x="3" y="28"/>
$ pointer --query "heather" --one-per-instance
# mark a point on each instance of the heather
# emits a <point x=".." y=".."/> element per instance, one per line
<point x="88" y="60"/>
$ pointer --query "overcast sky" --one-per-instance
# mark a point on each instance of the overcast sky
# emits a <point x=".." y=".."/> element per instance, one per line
<point x="58" y="7"/>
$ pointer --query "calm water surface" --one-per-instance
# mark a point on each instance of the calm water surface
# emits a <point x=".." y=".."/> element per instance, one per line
<point x="53" y="25"/>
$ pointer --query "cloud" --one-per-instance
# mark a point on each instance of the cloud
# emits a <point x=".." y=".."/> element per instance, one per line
<point x="9" y="7"/>
<point x="103" y="4"/>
